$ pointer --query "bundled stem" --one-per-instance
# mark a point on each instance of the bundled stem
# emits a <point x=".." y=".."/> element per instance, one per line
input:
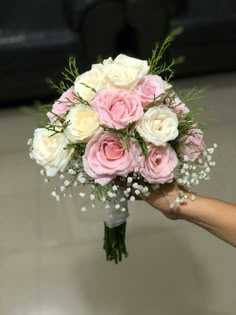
<point x="114" y="242"/>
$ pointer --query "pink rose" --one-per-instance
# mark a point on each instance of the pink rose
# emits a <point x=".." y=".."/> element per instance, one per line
<point x="192" y="144"/>
<point x="117" y="108"/>
<point x="105" y="158"/>
<point x="158" y="166"/>
<point x="150" y="87"/>
<point x="62" y="105"/>
<point x="175" y="103"/>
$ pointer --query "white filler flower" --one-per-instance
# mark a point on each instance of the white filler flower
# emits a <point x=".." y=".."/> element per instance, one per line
<point x="159" y="125"/>
<point x="49" y="151"/>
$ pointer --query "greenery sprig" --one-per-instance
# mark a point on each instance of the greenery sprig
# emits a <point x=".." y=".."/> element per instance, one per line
<point x="158" y="53"/>
<point x="79" y="149"/>
<point x="186" y="124"/>
<point x="168" y="69"/>
<point x="101" y="191"/>
<point x="127" y="134"/>
<point x="57" y="128"/>
<point x="70" y="73"/>
<point x="189" y="95"/>
<point x="60" y="87"/>
<point x="80" y="99"/>
<point x="89" y="87"/>
<point x="142" y="143"/>
<point x="122" y="134"/>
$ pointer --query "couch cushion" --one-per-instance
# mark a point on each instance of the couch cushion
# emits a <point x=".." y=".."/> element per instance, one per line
<point x="18" y="15"/>
<point x="29" y="59"/>
<point x="209" y="38"/>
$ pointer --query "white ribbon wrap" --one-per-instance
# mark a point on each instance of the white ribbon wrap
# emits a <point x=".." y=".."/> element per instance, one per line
<point x="115" y="217"/>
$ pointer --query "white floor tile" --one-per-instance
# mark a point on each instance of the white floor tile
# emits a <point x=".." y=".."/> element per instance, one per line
<point x="142" y="284"/>
<point x="16" y="129"/>
<point x="19" y="223"/>
<point x="18" y="174"/>
<point x="19" y="284"/>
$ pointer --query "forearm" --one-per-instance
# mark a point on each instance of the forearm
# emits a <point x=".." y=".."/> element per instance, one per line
<point x="217" y="217"/>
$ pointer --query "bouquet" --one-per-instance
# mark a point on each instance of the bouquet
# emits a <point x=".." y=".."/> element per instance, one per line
<point x="122" y="130"/>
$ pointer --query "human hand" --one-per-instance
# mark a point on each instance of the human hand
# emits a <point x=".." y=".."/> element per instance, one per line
<point x="163" y="198"/>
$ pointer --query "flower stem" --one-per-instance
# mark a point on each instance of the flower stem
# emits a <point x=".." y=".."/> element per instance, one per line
<point x="114" y="242"/>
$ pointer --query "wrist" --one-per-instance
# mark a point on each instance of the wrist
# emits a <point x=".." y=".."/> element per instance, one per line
<point x="181" y="202"/>
<point x="188" y="210"/>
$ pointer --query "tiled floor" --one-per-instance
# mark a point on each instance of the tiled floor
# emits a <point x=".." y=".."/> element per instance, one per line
<point x="51" y="261"/>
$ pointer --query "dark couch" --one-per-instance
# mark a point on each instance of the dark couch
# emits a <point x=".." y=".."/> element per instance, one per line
<point x="209" y="38"/>
<point x="37" y="37"/>
<point x="208" y="42"/>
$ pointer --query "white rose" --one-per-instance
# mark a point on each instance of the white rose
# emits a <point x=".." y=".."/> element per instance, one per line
<point x="125" y="72"/>
<point x="83" y="124"/>
<point x="91" y="80"/>
<point x="140" y="65"/>
<point x="159" y="125"/>
<point x="167" y="85"/>
<point x="49" y="151"/>
<point x="121" y="76"/>
<point x="104" y="62"/>
<point x="107" y="61"/>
